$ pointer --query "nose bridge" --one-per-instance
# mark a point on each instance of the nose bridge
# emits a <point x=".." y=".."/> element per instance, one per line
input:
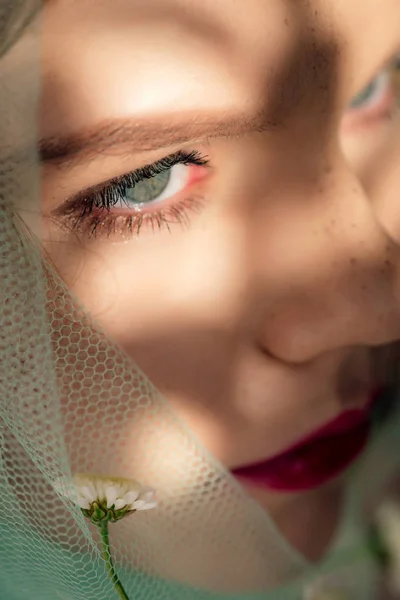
<point x="326" y="270"/>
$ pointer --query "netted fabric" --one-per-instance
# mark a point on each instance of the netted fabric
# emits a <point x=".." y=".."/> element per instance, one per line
<point x="72" y="401"/>
<point x="15" y="15"/>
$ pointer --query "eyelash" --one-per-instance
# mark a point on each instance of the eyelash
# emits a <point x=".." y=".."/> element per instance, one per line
<point x="91" y="210"/>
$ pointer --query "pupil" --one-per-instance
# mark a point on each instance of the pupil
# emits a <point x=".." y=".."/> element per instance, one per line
<point x="149" y="189"/>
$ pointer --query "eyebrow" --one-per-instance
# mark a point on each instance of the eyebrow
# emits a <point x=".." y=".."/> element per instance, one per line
<point x="132" y="135"/>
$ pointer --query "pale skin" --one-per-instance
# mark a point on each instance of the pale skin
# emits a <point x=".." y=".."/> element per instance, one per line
<point x="260" y="320"/>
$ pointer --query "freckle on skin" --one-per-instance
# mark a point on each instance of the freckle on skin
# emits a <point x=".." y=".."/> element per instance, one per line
<point x="388" y="264"/>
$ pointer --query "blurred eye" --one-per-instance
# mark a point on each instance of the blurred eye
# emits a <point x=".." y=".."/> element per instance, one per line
<point x="374" y="93"/>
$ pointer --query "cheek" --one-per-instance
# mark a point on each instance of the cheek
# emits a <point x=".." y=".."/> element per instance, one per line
<point x="385" y="187"/>
<point x="374" y="154"/>
<point x="363" y="147"/>
<point x="159" y="283"/>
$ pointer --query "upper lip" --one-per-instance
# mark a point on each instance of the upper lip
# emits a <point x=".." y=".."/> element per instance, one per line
<point x="343" y="422"/>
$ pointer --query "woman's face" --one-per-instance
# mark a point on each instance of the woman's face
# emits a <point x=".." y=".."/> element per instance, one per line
<point x="219" y="190"/>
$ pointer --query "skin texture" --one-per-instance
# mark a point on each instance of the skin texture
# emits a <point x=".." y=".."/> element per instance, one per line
<point x="267" y="316"/>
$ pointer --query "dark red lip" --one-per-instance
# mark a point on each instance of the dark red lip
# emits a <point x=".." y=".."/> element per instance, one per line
<point x="317" y="458"/>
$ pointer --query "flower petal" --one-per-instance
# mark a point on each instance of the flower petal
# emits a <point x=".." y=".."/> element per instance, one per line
<point x="60" y="485"/>
<point x="147" y="493"/>
<point x="65" y="488"/>
<point x="119" y="503"/>
<point x="88" y="492"/>
<point x="131" y="496"/>
<point x="111" y="495"/>
<point x="83" y="502"/>
<point x="101" y="486"/>
<point x="143" y="505"/>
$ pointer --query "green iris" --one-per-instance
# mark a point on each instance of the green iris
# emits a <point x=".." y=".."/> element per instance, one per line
<point x="148" y="190"/>
<point x="365" y="94"/>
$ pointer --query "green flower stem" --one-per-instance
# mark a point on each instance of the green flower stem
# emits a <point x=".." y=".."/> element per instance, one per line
<point x="109" y="562"/>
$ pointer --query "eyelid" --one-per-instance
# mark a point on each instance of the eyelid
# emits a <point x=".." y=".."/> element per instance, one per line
<point x="388" y="65"/>
<point x="91" y="217"/>
<point x="375" y="111"/>
<point x="179" y="157"/>
<point x="378" y="85"/>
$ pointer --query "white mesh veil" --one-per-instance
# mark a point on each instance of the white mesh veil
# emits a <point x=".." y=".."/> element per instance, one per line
<point x="71" y="401"/>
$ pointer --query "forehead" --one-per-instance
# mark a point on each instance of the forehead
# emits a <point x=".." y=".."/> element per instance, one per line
<point x="223" y="21"/>
<point x="145" y="57"/>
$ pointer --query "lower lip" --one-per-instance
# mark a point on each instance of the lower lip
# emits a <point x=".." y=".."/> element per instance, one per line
<point x="314" y="461"/>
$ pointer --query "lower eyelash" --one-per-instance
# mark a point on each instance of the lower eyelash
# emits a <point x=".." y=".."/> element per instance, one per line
<point x="104" y="223"/>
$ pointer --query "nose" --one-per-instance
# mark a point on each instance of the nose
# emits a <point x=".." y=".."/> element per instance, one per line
<point x="326" y="273"/>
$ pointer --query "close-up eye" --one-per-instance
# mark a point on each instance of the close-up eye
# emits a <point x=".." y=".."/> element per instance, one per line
<point x="375" y="102"/>
<point x="374" y="92"/>
<point x="157" y="194"/>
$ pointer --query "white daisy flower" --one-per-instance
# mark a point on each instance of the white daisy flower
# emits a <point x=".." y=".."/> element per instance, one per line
<point x="106" y="498"/>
